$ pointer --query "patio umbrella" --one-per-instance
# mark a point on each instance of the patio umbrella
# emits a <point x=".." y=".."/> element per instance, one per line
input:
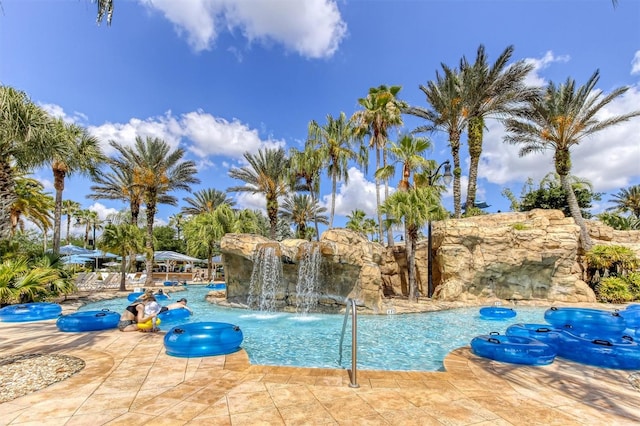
<point x="70" y="249"/>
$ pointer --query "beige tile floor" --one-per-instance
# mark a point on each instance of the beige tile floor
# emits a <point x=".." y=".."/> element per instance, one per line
<point x="129" y="380"/>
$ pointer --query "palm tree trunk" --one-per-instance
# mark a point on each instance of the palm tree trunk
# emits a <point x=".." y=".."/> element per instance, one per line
<point x="58" y="184"/>
<point x="7" y="198"/>
<point x="68" y="226"/>
<point x="151" y="214"/>
<point x="475" y="149"/>
<point x="315" y="215"/>
<point x="410" y="246"/>
<point x="454" y="142"/>
<point x="381" y="232"/>
<point x="574" y="208"/>
<point x="123" y="272"/>
<point x="334" y="189"/>
<point x="386" y="195"/>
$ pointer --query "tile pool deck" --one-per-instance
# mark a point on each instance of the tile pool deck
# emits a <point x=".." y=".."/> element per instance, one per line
<point x="129" y="380"/>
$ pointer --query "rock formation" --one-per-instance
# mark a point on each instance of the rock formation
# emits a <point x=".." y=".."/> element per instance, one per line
<point x="510" y="256"/>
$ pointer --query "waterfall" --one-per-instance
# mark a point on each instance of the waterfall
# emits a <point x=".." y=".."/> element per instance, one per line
<point x="266" y="279"/>
<point x="308" y="277"/>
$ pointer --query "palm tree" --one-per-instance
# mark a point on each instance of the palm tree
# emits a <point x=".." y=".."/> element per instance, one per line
<point x="305" y="173"/>
<point x="559" y="119"/>
<point x="206" y="200"/>
<point x="301" y="209"/>
<point x="118" y="184"/>
<point x="123" y="240"/>
<point x="32" y="204"/>
<point x="408" y="152"/>
<point x="266" y="174"/>
<point x="70" y="208"/>
<point x="381" y="111"/>
<point x="105" y="9"/>
<point x="414" y="208"/>
<point x="24" y="145"/>
<point x="490" y="91"/>
<point x="156" y="171"/>
<point x="356" y="221"/>
<point x="447" y="113"/>
<point x="334" y="144"/>
<point x="81" y="154"/>
<point x="627" y="201"/>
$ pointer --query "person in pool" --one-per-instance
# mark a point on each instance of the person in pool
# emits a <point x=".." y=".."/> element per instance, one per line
<point x="182" y="303"/>
<point x="135" y="313"/>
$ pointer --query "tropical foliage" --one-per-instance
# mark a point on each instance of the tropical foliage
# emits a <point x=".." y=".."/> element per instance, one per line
<point x="124" y="239"/>
<point x="23" y="280"/>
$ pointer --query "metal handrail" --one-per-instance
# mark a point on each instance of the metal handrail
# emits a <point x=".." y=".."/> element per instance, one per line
<point x="351" y="304"/>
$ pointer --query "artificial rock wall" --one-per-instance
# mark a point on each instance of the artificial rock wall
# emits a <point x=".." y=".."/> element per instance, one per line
<point x="519" y="256"/>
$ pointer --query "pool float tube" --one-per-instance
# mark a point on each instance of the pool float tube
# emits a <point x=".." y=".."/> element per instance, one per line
<point x="497" y="312"/>
<point x="513" y="349"/>
<point x="36" y="311"/>
<point x="584" y="320"/>
<point x="217" y="286"/>
<point x="132" y="297"/>
<point x="541" y="332"/>
<point x="88" y="321"/>
<point x="148" y="325"/>
<point x="170" y="283"/>
<point x="174" y="314"/>
<point x="203" y="339"/>
<point x="621" y="353"/>
<point x="631" y="316"/>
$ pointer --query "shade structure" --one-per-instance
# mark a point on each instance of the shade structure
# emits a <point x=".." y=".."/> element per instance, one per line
<point x="75" y="259"/>
<point x="70" y="249"/>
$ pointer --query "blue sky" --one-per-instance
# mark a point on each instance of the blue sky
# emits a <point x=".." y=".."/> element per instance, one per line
<point x="221" y="77"/>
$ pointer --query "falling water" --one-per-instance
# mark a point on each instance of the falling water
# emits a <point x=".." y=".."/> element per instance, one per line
<point x="308" y="274"/>
<point x="266" y="278"/>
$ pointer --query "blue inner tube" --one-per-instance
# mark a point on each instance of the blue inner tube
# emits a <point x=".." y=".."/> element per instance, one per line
<point x="497" y="312"/>
<point x="36" y="311"/>
<point x="544" y="333"/>
<point x="88" y="321"/>
<point x="203" y="339"/>
<point x="611" y="352"/>
<point x="513" y="349"/>
<point x="585" y="320"/>
<point x="217" y="286"/>
<point x="132" y="297"/>
<point x="174" y="314"/>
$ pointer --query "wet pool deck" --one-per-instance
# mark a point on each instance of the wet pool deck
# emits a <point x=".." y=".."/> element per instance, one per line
<point x="129" y="380"/>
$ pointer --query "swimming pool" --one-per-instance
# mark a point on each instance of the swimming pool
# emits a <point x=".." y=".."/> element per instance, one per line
<point x="409" y="342"/>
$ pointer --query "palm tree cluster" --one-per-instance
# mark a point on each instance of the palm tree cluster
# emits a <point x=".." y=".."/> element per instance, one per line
<point x="143" y="175"/>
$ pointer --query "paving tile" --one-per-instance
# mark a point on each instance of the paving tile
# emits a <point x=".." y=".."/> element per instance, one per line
<point x="249" y="401"/>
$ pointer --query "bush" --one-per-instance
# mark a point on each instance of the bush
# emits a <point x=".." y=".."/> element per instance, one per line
<point x="633" y="282"/>
<point x="614" y="290"/>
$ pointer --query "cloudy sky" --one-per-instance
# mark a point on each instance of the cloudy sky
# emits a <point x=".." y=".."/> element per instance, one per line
<point x="223" y="77"/>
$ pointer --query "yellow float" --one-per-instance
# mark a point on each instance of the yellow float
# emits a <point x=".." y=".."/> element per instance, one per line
<point x="148" y="325"/>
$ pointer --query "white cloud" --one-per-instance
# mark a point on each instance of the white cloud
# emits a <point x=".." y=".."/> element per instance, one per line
<point x="102" y="210"/>
<point x="57" y="111"/>
<point x="635" y="63"/>
<point x="359" y="193"/>
<point x="539" y="64"/>
<point x="311" y="28"/>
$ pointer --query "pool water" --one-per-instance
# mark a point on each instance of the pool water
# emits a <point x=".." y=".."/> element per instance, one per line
<point x="414" y="342"/>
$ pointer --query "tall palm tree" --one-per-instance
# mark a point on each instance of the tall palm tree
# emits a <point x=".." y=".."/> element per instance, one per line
<point x="122" y="239"/>
<point x="156" y="171"/>
<point x="69" y="208"/>
<point x="356" y="220"/>
<point x="409" y="153"/>
<point x="305" y="174"/>
<point x="118" y="184"/>
<point x="627" y="201"/>
<point x="301" y="209"/>
<point x="81" y="154"/>
<point x="559" y="119"/>
<point x="447" y="113"/>
<point x="414" y="208"/>
<point x="25" y="144"/>
<point x="206" y="200"/>
<point x="381" y="112"/>
<point x="490" y="91"/>
<point x="334" y="143"/>
<point x="32" y="203"/>
<point x="266" y="174"/>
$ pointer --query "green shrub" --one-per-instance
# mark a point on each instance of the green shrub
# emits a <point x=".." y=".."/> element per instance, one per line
<point x="614" y="290"/>
<point x="633" y="282"/>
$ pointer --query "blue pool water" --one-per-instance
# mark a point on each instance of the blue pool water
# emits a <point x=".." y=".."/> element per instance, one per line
<point x="416" y="342"/>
